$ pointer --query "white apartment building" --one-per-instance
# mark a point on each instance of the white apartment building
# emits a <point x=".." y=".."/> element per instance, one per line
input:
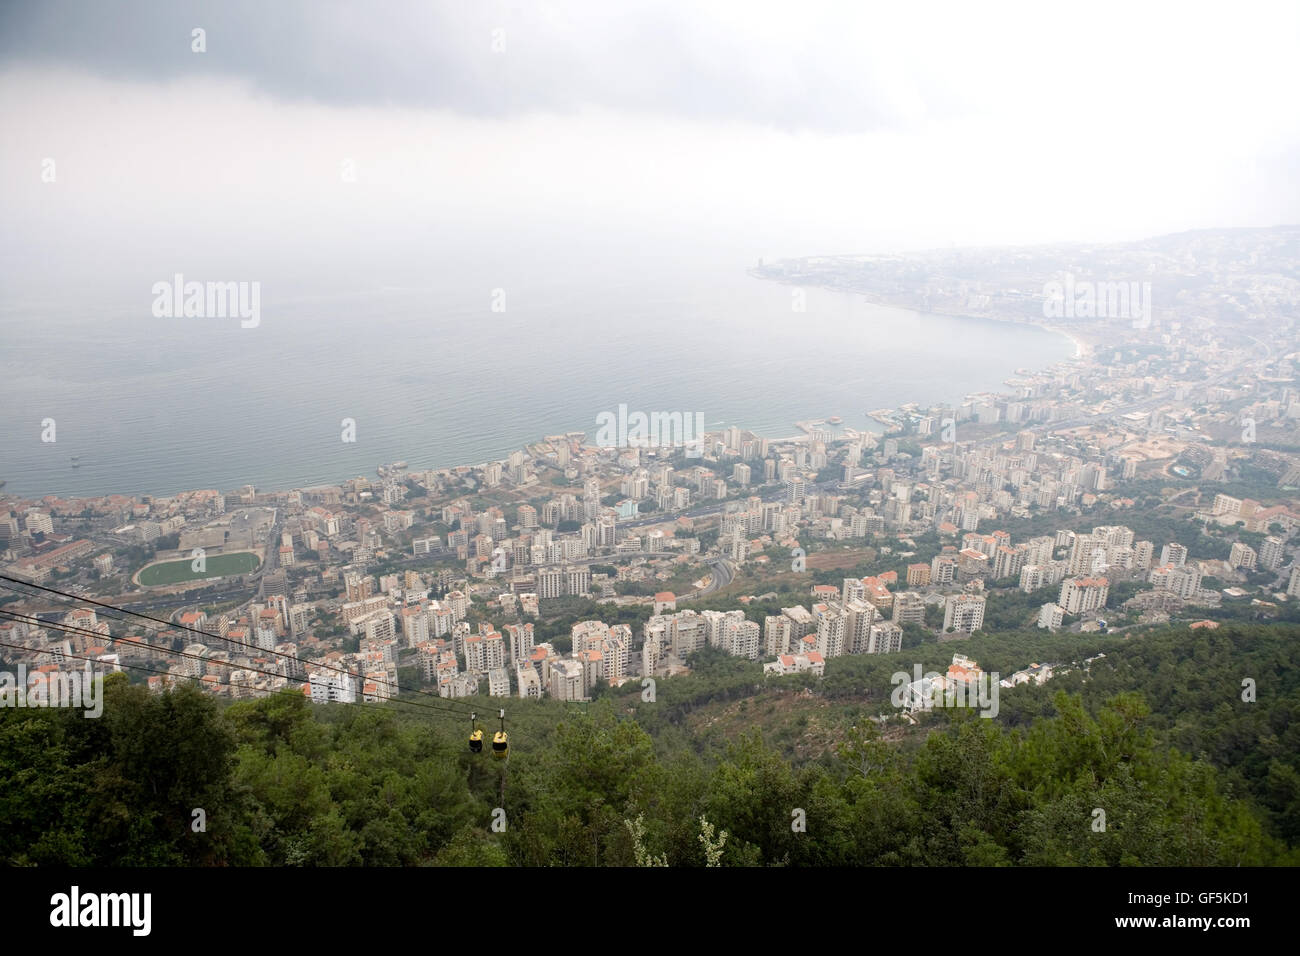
<point x="332" y="687"/>
<point x="831" y="621"/>
<point x="415" y="625"/>
<point x="1183" y="581"/>
<point x="519" y="642"/>
<point x="567" y="679"/>
<point x="687" y="633"/>
<point x="1272" y="552"/>
<point x="776" y="635"/>
<point x="909" y="608"/>
<point x="887" y="637"/>
<point x="528" y="681"/>
<point x="1079" y="595"/>
<point x="964" y="612"/>
<point x="742" y="638"/>
<point x="1242" y="556"/>
<point x="1050" y="616"/>
<point x="1173" y="554"/>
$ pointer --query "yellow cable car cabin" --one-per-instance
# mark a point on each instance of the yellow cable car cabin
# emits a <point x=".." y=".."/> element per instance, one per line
<point x="500" y="744"/>
<point x="476" y="742"/>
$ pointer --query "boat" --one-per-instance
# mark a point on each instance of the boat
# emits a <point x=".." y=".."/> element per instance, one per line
<point x="835" y="420"/>
<point x="76" y="461"/>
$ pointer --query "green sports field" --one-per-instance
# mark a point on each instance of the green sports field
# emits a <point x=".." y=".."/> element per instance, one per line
<point x="174" y="572"/>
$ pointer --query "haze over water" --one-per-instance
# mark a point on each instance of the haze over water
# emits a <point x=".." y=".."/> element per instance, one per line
<point x="432" y="376"/>
<point x="381" y="173"/>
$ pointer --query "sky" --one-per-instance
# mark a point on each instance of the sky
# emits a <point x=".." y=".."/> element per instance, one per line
<point x="341" y="144"/>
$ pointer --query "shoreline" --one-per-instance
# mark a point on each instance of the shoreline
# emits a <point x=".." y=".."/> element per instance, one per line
<point x="1082" y="347"/>
<point x="1082" y="350"/>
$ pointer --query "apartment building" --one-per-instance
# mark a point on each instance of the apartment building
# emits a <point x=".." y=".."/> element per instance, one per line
<point x="1080" y="595"/>
<point x="964" y="612"/>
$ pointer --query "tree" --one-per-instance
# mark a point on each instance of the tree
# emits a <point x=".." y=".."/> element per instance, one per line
<point x="636" y="828"/>
<point x="712" y="847"/>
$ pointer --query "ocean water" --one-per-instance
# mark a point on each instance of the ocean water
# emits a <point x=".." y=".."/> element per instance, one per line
<point x="431" y="375"/>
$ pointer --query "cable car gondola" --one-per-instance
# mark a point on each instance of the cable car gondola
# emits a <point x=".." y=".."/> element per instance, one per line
<point x="476" y="736"/>
<point x="501" y="740"/>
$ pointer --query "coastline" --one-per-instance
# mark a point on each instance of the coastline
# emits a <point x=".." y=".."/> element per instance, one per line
<point x="1082" y="349"/>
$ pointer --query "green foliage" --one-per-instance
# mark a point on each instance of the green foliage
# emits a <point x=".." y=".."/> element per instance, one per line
<point x="1155" y="736"/>
<point x="120" y="790"/>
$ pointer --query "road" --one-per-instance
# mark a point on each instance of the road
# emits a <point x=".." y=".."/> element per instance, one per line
<point x="721" y="574"/>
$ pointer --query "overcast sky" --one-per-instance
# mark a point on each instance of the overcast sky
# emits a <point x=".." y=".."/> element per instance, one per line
<point x="586" y="128"/>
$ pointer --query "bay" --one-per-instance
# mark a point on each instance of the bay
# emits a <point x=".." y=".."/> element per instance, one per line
<point x="433" y="376"/>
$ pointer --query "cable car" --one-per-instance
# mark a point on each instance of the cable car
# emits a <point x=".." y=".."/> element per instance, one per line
<point x="501" y="740"/>
<point x="476" y="736"/>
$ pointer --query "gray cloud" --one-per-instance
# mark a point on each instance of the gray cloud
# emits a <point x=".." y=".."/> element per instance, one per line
<point x="677" y="61"/>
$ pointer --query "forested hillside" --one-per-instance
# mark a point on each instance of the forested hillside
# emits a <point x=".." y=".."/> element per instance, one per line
<point x="1156" y="735"/>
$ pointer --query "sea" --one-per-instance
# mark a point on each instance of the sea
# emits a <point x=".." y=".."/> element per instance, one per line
<point x="449" y="371"/>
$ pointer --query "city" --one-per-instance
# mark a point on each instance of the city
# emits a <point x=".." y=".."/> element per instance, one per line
<point x="668" y="437"/>
<point x="1092" y="487"/>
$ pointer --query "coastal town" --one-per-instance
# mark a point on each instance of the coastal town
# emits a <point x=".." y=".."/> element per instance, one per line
<point x="1152" y="478"/>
